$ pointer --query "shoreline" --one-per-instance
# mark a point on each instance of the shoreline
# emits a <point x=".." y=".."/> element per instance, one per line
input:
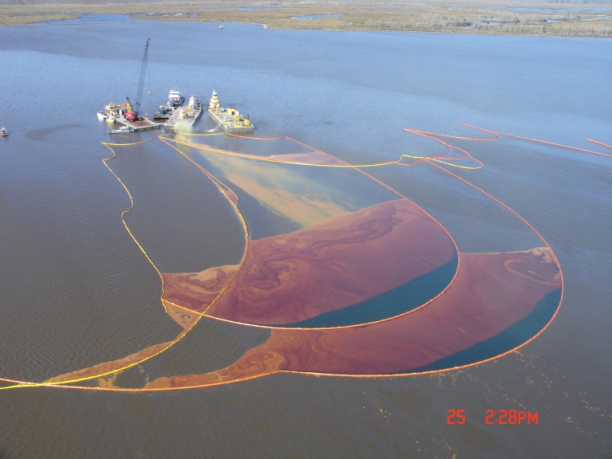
<point x="53" y="22"/>
<point x="552" y="20"/>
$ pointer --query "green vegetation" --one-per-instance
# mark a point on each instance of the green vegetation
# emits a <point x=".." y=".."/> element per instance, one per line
<point x="551" y="18"/>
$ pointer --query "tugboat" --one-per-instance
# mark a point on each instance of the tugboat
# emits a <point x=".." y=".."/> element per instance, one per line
<point x="176" y="97"/>
<point x="3" y="132"/>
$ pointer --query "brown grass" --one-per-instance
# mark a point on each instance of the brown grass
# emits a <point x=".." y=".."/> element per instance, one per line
<point x="440" y="17"/>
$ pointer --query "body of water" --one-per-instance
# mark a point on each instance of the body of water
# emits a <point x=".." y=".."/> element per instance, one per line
<point x="75" y="290"/>
<point x="315" y="16"/>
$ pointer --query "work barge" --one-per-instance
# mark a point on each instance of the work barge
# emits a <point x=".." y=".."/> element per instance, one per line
<point x="115" y="113"/>
<point x="184" y="117"/>
<point x="229" y="119"/>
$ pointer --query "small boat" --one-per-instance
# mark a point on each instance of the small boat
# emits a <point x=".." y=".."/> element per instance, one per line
<point x="112" y="112"/>
<point x="121" y="130"/>
<point x="175" y="98"/>
<point x="3" y="132"/>
<point x="101" y="116"/>
<point x="222" y="27"/>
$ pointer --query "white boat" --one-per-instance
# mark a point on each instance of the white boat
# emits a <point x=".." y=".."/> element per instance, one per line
<point x="121" y="130"/>
<point x="175" y="97"/>
<point x="222" y="27"/>
<point x="3" y="132"/>
<point x="101" y="116"/>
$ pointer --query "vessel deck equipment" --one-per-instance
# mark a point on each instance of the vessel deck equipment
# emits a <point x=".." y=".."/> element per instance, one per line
<point x="230" y="120"/>
<point x="117" y="111"/>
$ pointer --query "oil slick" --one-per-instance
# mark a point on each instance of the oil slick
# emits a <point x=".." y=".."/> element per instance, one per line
<point x="490" y="293"/>
<point x="325" y="267"/>
<point x="341" y="257"/>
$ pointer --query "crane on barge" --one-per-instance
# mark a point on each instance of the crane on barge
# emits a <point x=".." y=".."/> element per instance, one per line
<point x="131" y="113"/>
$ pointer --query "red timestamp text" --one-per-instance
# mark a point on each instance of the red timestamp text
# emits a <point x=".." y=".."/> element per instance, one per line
<point x="500" y="417"/>
<point x="511" y="417"/>
<point x="455" y="417"/>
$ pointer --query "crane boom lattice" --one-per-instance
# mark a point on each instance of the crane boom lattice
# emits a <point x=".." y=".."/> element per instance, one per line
<point x="141" y="77"/>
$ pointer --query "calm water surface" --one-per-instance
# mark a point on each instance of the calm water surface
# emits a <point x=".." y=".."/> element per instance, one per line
<point x="76" y="291"/>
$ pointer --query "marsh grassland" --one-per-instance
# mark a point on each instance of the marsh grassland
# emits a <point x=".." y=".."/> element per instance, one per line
<point x="555" y="18"/>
